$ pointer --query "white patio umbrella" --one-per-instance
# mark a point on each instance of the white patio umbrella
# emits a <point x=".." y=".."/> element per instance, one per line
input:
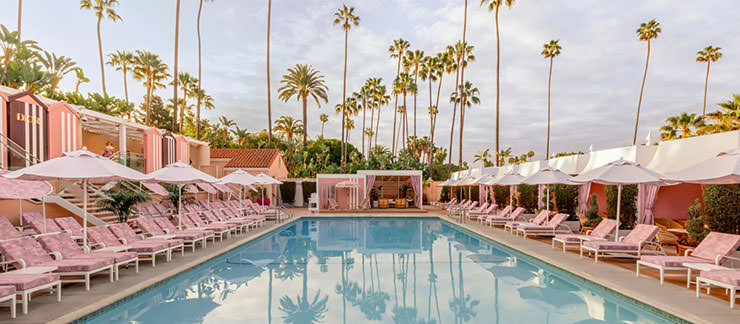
<point x="510" y="179"/>
<point x="620" y="173"/>
<point x="721" y="169"/>
<point x="25" y="189"/>
<point x="241" y="178"/>
<point x="78" y="165"/>
<point x="546" y="176"/>
<point x="180" y="174"/>
<point x="267" y="181"/>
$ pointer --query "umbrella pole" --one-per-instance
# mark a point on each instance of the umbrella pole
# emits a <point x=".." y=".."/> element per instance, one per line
<point x="179" y="209"/>
<point x="43" y="210"/>
<point x="20" y="211"/>
<point x="619" y="203"/>
<point x="511" y="198"/>
<point x="84" y="212"/>
<point x="547" y="203"/>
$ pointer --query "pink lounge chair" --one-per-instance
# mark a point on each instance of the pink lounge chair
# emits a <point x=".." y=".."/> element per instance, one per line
<point x="540" y="219"/>
<point x="7" y="230"/>
<point x="484" y="211"/>
<point x="125" y="233"/>
<point x="27" y="252"/>
<point x="599" y="233"/>
<point x="216" y="218"/>
<point x="714" y="249"/>
<point x="101" y="236"/>
<point x="36" y="220"/>
<point x="633" y="245"/>
<point x="190" y="237"/>
<point x="65" y="245"/>
<point x="220" y="231"/>
<point x="728" y="279"/>
<point x="503" y="213"/>
<point x="511" y="217"/>
<point x="553" y="227"/>
<point x="7" y="294"/>
<point x="27" y="284"/>
<point x="69" y="225"/>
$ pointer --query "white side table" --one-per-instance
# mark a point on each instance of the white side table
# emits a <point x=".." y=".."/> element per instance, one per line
<point x="33" y="270"/>
<point x="699" y="267"/>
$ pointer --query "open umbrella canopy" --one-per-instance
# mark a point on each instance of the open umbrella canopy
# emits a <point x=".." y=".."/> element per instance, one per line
<point x="240" y="177"/>
<point x="620" y="172"/>
<point x="180" y="173"/>
<point x="22" y="189"/>
<point x="265" y="179"/>
<point x="548" y="175"/>
<point x="486" y="179"/>
<point x="509" y="179"/>
<point x="77" y="165"/>
<point x="721" y="169"/>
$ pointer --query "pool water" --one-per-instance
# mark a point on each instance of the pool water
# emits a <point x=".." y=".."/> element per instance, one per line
<point x="381" y="270"/>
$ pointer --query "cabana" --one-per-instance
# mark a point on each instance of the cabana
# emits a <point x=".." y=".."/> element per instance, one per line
<point x="370" y="189"/>
<point x="394" y="185"/>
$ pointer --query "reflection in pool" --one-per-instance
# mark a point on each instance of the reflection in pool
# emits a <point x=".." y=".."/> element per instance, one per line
<point x="373" y="270"/>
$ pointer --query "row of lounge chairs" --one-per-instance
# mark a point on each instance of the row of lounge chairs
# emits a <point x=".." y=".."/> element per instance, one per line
<point x="48" y="254"/>
<point x="710" y="257"/>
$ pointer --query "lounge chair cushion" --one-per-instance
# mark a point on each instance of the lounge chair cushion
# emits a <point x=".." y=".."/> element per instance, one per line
<point x="672" y="261"/>
<point x="62" y="243"/>
<point x="605" y="227"/>
<point x="25" y="248"/>
<point x="37" y="222"/>
<point x="79" y="265"/>
<point x="148" y="247"/>
<point x="101" y="234"/>
<point x="7" y="291"/>
<point x="731" y="277"/>
<point x="69" y="224"/>
<point x="715" y="244"/>
<point x="608" y="246"/>
<point x="570" y="238"/>
<point x="552" y="225"/>
<point x="123" y="231"/>
<point x="641" y="233"/>
<point x="117" y="256"/>
<point x="7" y="231"/>
<point x="27" y="281"/>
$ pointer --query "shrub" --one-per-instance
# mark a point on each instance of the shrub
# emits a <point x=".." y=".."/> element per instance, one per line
<point x="722" y="207"/>
<point x="566" y="199"/>
<point x="502" y="195"/>
<point x="593" y="209"/>
<point x="628" y="208"/>
<point x="695" y="225"/>
<point x="308" y="189"/>
<point x="121" y="202"/>
<point x="287" y="192"/>
<point x="445" y="194"/>
<point x="528" y="196"/>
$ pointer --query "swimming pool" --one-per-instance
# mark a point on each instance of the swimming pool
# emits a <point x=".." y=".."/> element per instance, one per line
<point x="380" y="270"/>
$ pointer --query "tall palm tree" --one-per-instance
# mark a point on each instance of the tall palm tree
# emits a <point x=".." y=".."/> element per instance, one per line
<point x="645" y="32"/>
<point x="345" y="16"/>
<point x="323" y="118"/>
<point x="288" y="127"/>
<point x="465" y="96"/>
<point x="412" y="63"/>
<point x="81" y="78"/>
<point x="397" y="49"/>
<point x="101" y="8"/>
<point x="373" y="87"/>
<point x="200" y="75"/>
<point x="58" y="67"/>
<point x="381" y="99"/>
<point x="404" y="85"/>
<point x="430" y="72"/>
<point x="550" y="51"/>
<point x="150" y="69"/>
<point x="175" y="74"/>
<point x="300" y="82"/>
<point x="20" y="9"/>
<point x="188" y="84"/>
<point x="122" y="61"/>
<point x="364" y="95"/>
<point x="349" y="125"/>
<point x="493" y="6"/>
<point x="709" y="54"/>
<point x="463" y="54"/>
<point x="681" y="126"/>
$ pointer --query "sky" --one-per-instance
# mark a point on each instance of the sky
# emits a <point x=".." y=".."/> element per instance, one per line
<point x="595" y="81"/>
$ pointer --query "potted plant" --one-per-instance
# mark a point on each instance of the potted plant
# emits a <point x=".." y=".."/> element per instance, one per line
<point x="695" y="227"/>
<point x="121" y="202"/>
<point x="592" y="215"/>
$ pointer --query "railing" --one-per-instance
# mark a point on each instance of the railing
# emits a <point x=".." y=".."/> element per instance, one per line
<point x="131" y="160"/>
<point x="18" y="151"/>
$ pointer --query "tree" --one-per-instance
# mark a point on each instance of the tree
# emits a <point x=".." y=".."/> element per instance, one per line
<point x="57" y="67"/>
<point x="188" y="84"/>
<point x="411" y="63"/>
<point x="709" y="54"/>
<point x="345" y="17"/>
<point x="550" y="51"/>
<point x="381" y="99"/>
<point x="101" y="8"/>
<point x="11" y="45"/>
<point x="150" y="69"/>
<point x="404" y="85"/>
<point x="323" y="118"/>
<point x="20" y="9"/>
<point x="466" y="96"/>
<point x="463" y="55"/>
<point x="175" y="74"/>
<point x="681" y="126"/>
<point x="645" y="32"/>
<point x="301" y="82"/>
<point x="363" y="96"/>
<point x="493" y="6"/>
<point x="288" y="127"/>
<point x="200" y="75"/>
<point x="483" y="156"/>
<point x="122" y="61"/>
<point x="121" y="202"/>
<point x="81" y="78"/>
<point x="397" y="49"/>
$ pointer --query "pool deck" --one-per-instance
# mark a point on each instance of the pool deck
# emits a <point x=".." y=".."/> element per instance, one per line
<point x="616" y="275"/>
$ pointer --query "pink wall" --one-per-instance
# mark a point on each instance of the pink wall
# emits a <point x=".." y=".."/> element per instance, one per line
<point x="152" y="150"/>
<point x="672" y="201"/>
<point x="65" y="129"/>
<point x="342" y="193"/>
<point x="182" y="149"/>
<point x="600" y="191"/>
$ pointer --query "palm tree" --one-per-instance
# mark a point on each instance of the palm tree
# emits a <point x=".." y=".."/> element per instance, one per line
<point x="11" y="45"/>
<point x="188" y="84"/>
<point x="463" y="55"/>
<point x="323" y="118"/>
<point x="550" y="51"/>
<point x="345" y="16"/>
<point x="502" y="155"/>
<point x="81" y="78"/>
<point x="302" y="81"/>
<point x="483" y="156"/>
<point x="288" y="127"/>
<point x="122" y="61"/>
<point x="381" y="99"/>
<point x="396" y="50"/>
<point x="20" y="7"/>
<point x="429" y="72"/>
<point x="175" y="74"/>
<point x="709" y="54"/>
<point x="465" y="96"/>
<point x="681" y="126"/>
<point x="493" y="6"/>
<point x="200" y="75"/>
<point x="150" y="69"/>
<point x="349" y="125"/>
<point x="404" y="85"/>
<point x="373" y="87"/>
<point x="101" y="8"/>
<point x="58" y="67"/>
<point x="646" y="32"/>
<point x="412" y="62"/>
<point x="726" y="119"/>
<point x="364" y="95"/>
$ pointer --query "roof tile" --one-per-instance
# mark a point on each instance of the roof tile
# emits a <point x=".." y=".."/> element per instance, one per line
<point x="246" y="158"/>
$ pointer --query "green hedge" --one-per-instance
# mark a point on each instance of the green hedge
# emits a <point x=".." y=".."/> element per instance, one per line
<point x="628" y="209"/>
<point x="502" y="195"/>
<point x="308" y="189"/>
<point x="527" y="196"/>
<point x="287" y="192"/>
<point x="566" y="199"/>
<point x="722" y="207"/>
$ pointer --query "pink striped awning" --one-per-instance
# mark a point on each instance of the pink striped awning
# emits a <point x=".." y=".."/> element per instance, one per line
<point x="207" y="188"/>
<point x="156" y="188"/>
<point x="22" y="189"/>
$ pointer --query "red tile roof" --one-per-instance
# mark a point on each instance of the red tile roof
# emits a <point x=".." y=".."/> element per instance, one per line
<point x="246" y="158"/>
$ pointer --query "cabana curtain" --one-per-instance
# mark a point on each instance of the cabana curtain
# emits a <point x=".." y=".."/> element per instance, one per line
<point x="648" y="193"/>
<point x="492" y="193"/>
<point x="416" y="184"/>
<point x="324" y="195"/>
<point x="583" y="198"/>
<point x="481" y="194"/>
<point x="369" y="182"/>
<point x="540" y="194"/>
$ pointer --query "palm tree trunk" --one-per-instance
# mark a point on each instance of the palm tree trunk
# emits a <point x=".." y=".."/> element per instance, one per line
<point x="344" y="97"/>
<point x="200" y="76"/>
<point x="431" y="131"/>
<point x="364" y="104"/>
<point x="185" y="104"/>
<point x="416" y="79"/>
<point x="642" y="87"/>
<point x="305" y="120"/>
<point x="462" y="79"/>
<point x="125" y="82"/>
<point x="549" y="82"/>
<point x="269" y="100"/>
<point x="20" y="7"/>
<point x="148" y="101"/>
<point x="371" y="134"/>
<point x="706" y="83"/>
<point x="462" y="123"/>
<point x="454" y="113"/>
<point x="377" y="127"/>
<point x="395" y="105"/>
<point x="175" y="127"/>
<point x="498" y="80"/>
<point x="100" y="55"/>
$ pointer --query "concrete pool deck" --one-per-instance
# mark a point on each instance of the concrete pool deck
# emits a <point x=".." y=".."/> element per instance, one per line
<point x="619" y="276"/>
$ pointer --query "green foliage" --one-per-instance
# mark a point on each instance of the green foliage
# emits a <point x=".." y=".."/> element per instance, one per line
<point x="528" y="196"/>
<point x="628" y="209"/>
<point x="722" y="207"/>
<point x="695" y="225"/>
<point x="566" y="199"/>
<point x="174" y="195"/>
<point x="444" y="195"/>
<point x="287" y="192"/>
<point x="502" y="195"/>
<point x="308" y="189"/>
<point x="593" y="208"/>
<point x="121" y="202"/>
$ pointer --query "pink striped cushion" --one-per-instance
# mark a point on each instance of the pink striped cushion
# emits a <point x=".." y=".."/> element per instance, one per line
<point x="77" y="265"/>
<point x="602" y="245"/>
<point x="568" y="237"/>
<point x="672" y="261"/>
<point x="715" y="244"/>
<point x="641" y="233"/>
<point x="7" y="291"/>
<point x="731" y="277"/>
<point x="27" y="281"/>
<point x="605" y="227"/>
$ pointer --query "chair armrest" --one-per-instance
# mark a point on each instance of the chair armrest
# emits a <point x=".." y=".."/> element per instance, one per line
<point x="56" y="255"/>
<point x="718" y="259"/>
<point x="19" y="261"/>
<point x="689" y="250"/>
<point x="100" y="244"/>
<point x="86" y="249"/>
<point x="123" y="240"/>
<point x="589" y="232"/>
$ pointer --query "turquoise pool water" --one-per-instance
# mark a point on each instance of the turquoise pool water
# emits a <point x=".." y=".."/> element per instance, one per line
<point x="374" y="271"/>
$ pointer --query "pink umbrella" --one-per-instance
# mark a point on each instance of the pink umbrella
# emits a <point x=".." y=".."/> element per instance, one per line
<point x="180" y="174"/>
<point x="78" y="165"/>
